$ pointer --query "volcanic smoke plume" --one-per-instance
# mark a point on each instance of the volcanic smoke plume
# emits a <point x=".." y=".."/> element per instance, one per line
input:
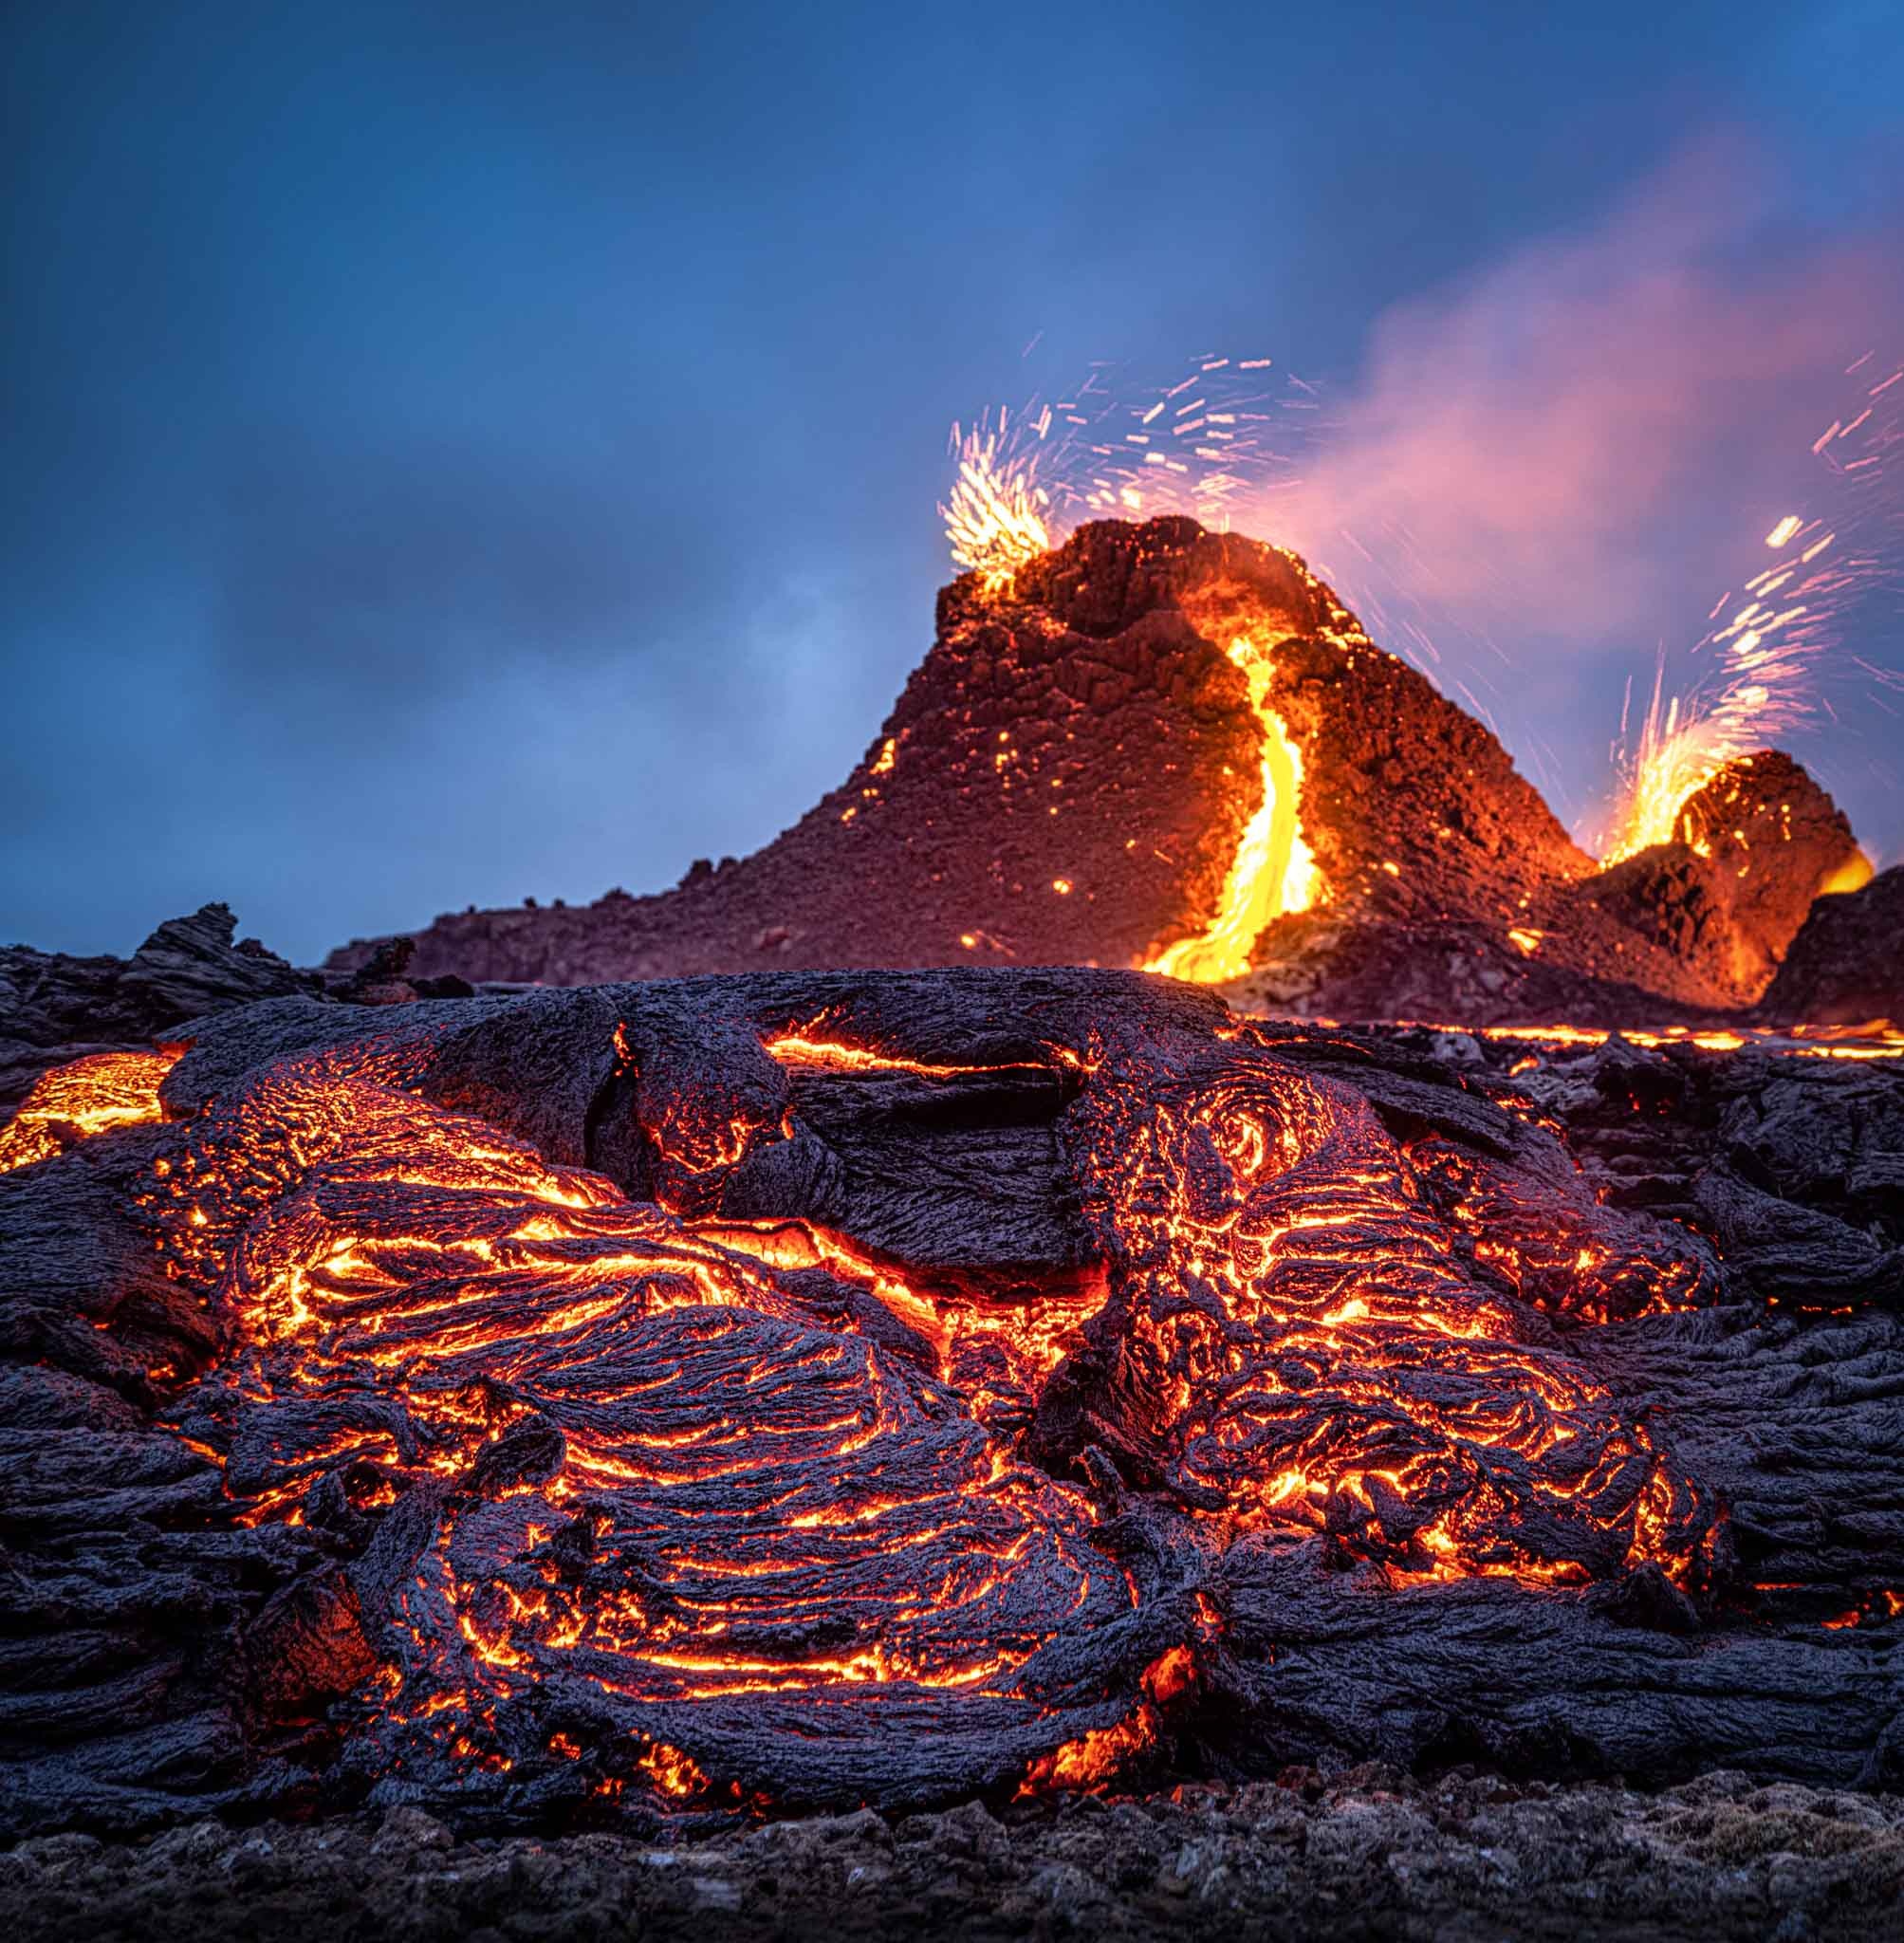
<point x="1159" y="746"/>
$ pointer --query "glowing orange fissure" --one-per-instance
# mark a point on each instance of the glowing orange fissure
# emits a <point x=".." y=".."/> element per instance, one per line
<point x="85" y="1096"/>
<point x="1875" y="1039"/>
<point x="1273" y="872"/>
<point x="1096" y="1758"/>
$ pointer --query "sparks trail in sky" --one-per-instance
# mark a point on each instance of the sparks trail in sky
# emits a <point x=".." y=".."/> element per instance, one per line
<point x="1109" y="450"/>
<point x="1761" y="676"/>
<point x="1231" y="436"/>
<point x="1227" y="443"/>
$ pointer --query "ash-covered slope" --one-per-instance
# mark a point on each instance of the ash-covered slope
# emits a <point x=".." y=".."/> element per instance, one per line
<point x="1164" y="747"/>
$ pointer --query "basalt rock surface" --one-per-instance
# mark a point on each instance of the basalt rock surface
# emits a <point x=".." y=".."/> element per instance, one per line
<point x="1365" y="1853"/>
<point x="662" y="1407"/>
<point x="1070" y="772"/>
<point x="1846" y="965"/>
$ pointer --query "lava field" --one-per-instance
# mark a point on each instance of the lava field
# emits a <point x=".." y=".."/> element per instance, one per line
<point x="845" y="1349"/>
<point x="691" y="1402"/>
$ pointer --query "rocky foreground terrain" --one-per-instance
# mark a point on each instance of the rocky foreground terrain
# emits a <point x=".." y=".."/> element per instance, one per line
<point x="1368" y="1853"/>
<point x="1645" y="1679"/>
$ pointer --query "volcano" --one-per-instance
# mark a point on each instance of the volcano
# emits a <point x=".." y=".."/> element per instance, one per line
<point x="1160" y="747"/>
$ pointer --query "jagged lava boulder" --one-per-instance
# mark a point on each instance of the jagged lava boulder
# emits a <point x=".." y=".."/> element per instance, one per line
<point x="1846" y="966"/>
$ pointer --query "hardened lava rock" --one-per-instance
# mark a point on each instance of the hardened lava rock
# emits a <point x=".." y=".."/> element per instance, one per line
<point x="1846" y="965"/>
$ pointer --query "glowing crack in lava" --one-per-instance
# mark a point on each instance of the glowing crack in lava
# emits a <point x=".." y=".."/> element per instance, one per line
<point x="668" y="1496"/>
<point x="85" y="1096"/>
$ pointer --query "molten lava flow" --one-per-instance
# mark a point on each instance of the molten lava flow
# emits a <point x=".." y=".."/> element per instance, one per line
<point x="995" y="515"/>
<point x="1273" y="871"/>
<point x="1877" y="1039"/>
<point x="87" y="1097"/>
<point x="676" y="1469"/>
<point x="627" y="1489"/>
<point x="1315" y="1353"/>
<point x="803" y="1048"/>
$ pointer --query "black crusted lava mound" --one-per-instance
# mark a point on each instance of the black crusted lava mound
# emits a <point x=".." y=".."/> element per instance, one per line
<point x="1846" y="966"/>
<point x="1071" y="772"/>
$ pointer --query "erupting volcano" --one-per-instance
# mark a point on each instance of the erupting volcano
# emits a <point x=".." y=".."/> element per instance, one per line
<point x="721" y="1396"/>
<point x="1159" y="746"/>
<point x="1253" y="1284"/>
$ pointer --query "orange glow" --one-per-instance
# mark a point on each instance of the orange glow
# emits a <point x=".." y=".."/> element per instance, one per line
<point x="1877" y="1039"/>
<point x="1273" y="871"/>
<point x="1852" y="875"/>
<point x="442" y="1259"/>
<point x="796" y="1462"/>
<point x="672" y="1772"/>
<point x="88" y="1097"/>
<point x="1091" y="1763"/>
<point x="803" y="1048"/>
<point x="995" y="515"/>
<point x="1760" y="691"/>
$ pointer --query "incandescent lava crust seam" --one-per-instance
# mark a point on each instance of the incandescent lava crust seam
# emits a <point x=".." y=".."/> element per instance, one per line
<point x="667" y="1485"/>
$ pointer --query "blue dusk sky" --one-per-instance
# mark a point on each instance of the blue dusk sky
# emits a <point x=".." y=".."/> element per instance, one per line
<point x="458" y="453"/>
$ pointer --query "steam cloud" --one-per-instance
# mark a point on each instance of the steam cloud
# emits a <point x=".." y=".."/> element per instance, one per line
<point x="1526" y="464"/>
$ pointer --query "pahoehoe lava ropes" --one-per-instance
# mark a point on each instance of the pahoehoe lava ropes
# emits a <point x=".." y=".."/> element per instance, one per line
<point x="728" y="1397"/>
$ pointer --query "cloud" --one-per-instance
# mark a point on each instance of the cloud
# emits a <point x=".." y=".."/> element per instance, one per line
<point x="1551" y="436"/>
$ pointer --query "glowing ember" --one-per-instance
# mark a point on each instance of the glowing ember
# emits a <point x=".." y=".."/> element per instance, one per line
<point x="90" y="1096"/>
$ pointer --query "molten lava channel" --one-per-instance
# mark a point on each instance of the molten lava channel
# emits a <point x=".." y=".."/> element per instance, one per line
<point x="1273" y="871"/>
<point x="85" y="1097"/>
